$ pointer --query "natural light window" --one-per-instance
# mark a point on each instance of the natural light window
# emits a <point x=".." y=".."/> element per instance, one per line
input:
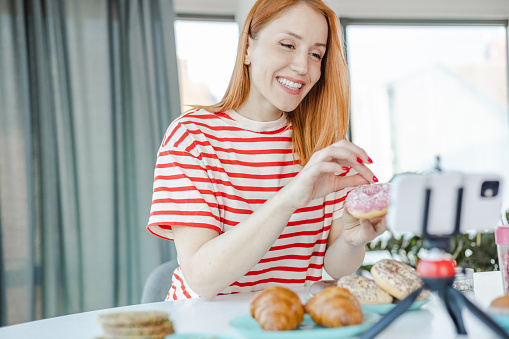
<point x="206" y="53"/>
<point x="422" y="91"/>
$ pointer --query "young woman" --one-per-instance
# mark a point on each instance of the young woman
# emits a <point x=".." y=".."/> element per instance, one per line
<point x="251" y="189"/>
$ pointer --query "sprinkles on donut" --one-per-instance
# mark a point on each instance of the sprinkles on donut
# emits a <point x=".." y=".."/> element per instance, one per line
<point x="368" y="201"/>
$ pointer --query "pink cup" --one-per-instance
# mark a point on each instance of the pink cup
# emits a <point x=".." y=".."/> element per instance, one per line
<point x="502" y="240"/>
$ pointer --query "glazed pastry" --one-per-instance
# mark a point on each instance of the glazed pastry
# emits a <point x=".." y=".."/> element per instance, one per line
<point x="397" y="278"/>
<point x="368" y="201"/>
<point x="334" y="307"/>
<point x="365" y="290"/>
<point x="277" y="309"/>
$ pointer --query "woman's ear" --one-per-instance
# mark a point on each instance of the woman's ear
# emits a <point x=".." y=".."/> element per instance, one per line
<point x="247" y="61"/>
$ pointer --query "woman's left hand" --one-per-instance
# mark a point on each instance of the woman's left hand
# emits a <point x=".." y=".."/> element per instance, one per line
<point x="358" y="232"/>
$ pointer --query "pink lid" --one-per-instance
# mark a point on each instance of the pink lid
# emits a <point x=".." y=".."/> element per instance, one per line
<point x="502" y="235"/>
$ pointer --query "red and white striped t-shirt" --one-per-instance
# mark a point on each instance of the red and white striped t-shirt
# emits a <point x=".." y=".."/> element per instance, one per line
<point x="213" y="170"/>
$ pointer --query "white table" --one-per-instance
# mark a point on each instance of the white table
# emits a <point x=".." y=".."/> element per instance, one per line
<point x="201" y="316"/>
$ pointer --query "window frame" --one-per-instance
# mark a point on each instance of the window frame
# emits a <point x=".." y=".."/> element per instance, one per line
<point x="205" y="17"/>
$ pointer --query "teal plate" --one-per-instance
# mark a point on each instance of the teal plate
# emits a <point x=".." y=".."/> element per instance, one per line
<point x="249" y="328"/>
<point x="502" y="321"/>
<point x="385" y="308"/>
<point x="197" y="336"/>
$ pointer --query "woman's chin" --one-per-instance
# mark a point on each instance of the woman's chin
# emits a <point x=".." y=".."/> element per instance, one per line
<point x="288" y="107"/>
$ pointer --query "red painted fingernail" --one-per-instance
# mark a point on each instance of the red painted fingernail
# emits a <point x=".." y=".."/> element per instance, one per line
<point x="346" y="168"/>
<point x="359" y="160"/>
<point x="369" y="160"/>
<point x="375" y="179"/>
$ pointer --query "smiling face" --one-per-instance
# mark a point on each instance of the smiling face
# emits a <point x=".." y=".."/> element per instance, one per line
<point x="284" y="62"/>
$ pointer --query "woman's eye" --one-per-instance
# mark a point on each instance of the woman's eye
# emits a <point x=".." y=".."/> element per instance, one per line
<point x="289" y="46"/>
<point x="316" y="56"/>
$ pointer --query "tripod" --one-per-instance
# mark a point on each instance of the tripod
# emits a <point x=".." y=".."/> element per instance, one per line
<point x="438" y="275"/>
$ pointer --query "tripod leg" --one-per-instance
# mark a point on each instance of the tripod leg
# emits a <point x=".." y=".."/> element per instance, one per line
<point x="486" y="319"/>
<point x="454" y="306"/>
<point x="387" y="319"/>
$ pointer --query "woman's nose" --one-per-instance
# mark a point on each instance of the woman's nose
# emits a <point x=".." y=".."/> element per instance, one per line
<point x="300" y="63"/>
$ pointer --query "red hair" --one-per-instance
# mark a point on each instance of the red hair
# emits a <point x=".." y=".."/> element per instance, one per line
<point x="322" y="117"/>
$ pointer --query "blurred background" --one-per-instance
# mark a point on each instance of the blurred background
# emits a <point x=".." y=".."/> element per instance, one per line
<point x="88" y="88"/>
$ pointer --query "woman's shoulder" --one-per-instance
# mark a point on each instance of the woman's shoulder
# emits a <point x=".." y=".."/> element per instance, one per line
<point x="200" y="115"/>
<point x="196" y="120"/>
<point x="195" y="114"/>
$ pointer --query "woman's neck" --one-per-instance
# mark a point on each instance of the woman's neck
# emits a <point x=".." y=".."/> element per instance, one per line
<point x="258" y="112"/>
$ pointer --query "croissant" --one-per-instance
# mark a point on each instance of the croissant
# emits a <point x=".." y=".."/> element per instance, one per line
<point x="277" y="309"/>
<point x="334" y="307"/>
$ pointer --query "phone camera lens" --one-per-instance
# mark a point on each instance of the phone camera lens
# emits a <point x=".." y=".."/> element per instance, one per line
<point x="489" y="189"/>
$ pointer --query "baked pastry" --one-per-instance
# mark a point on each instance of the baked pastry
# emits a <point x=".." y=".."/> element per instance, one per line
<point x="334" y="307"/>
<point x="368" y="201"/>
<point x="277" y="308"/>
<point x="397" y="278"/>
<point x="136" y="324"/>
<point x="502" y="302"/>
<point x="499" y="305"/>
<point x="365" y="290"/>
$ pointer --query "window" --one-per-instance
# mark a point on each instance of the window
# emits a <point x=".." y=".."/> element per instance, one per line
<point x="206" y="53"/>
<point x="422" y="91"/>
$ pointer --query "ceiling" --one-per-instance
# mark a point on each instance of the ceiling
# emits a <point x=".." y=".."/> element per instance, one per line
<point x="206" y="7"/>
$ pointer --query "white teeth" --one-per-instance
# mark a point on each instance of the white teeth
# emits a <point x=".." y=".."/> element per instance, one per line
<point x="290" y="84"/>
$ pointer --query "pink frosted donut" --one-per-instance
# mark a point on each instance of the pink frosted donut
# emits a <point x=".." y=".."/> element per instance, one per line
<point x="368" y="201"/>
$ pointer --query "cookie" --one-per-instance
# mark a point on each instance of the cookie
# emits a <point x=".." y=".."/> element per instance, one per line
<point x="365" y="290"/>
<point x="397" y="278"/>
<point x="136" y="324"/>
<point x="161" y="329"/>
<point x="133" y="318"/>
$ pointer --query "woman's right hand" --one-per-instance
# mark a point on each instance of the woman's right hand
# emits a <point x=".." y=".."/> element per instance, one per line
<point x="320" y="175"/>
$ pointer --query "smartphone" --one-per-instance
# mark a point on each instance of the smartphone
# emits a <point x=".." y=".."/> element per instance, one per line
<point x="444" y="203"/>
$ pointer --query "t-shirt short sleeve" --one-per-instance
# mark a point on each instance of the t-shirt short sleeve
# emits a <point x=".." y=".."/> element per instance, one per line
<point x="183" y="193"/>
